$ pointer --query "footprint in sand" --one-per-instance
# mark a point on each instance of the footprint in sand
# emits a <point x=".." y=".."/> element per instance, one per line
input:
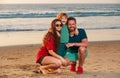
<point x="12" y="58"/>
<point x="3" y="76"/>
<point x="28" y="67"/>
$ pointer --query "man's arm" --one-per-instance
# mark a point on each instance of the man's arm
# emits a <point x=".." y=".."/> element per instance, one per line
<point x="84" y="43"/>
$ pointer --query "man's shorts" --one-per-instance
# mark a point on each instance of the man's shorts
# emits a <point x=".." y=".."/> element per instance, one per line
<point x="73" y="55"/>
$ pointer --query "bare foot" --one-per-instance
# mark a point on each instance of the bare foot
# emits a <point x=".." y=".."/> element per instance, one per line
<point x="43" y="71"/>
<point x="54" y="71"/>
<point x="58" y="71"/>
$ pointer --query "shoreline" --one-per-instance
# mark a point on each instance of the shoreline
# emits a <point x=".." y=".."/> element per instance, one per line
<point x="91" y="42"/>
<point x="35" y="37"/>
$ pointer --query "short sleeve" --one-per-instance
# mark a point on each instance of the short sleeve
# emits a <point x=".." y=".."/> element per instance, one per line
<point x="50" y="43"/>
<point x="83" y="34"/>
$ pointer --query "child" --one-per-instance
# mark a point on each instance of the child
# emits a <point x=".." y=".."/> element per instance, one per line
<point x="64" y="35"/>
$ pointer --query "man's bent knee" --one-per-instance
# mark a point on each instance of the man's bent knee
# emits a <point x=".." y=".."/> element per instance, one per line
<point x="82" y="50"/>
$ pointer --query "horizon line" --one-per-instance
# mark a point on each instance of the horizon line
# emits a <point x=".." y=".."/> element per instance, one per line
<point x="59" y="3"/>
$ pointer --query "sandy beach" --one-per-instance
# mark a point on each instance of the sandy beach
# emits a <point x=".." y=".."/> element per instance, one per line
<point x="22" y="27"/>
<point x="18" y="51"/>
<point x="103" y="62"/>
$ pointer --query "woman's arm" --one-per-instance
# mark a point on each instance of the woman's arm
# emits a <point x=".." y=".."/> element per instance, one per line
<point x="51" y="52"/>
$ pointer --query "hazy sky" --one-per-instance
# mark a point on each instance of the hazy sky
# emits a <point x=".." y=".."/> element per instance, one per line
<point x="58" y="1"/>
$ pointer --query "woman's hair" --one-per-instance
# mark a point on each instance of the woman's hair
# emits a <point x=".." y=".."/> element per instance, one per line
<point x="50" y="32"/>
<point x="60" y="15"/>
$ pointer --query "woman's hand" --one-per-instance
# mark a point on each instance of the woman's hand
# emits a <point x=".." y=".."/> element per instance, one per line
<point x="64" y="62"/>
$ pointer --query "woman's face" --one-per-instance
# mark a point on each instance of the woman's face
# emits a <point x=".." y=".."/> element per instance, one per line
<point x="58" y="26"/>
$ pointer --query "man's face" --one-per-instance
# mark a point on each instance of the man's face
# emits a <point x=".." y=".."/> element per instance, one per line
<point x="71" y="25"/>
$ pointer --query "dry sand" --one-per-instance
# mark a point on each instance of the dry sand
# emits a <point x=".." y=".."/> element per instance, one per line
<point x="103" y="62"/>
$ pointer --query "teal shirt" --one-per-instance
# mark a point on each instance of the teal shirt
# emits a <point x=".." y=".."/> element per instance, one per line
<point x="77" y="38"/>
<point x="64" y="38"/>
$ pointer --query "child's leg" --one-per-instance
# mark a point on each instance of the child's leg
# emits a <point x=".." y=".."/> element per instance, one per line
<point x="62" y="49"/>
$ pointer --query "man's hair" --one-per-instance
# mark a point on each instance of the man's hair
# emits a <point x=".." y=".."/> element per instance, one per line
<point x="71" y="18"/>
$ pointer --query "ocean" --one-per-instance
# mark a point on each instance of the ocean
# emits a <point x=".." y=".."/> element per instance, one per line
<point x="37" y="17"/>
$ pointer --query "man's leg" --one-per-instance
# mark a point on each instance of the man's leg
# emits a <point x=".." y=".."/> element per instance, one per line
<point x="73" y="67"/>
<point x="81" y="59"/>
<point x="72" y="56"/>
<point x="82" y="55"/>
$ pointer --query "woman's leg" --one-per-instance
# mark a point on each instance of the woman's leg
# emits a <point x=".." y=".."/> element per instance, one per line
<point x="50" y="62"/>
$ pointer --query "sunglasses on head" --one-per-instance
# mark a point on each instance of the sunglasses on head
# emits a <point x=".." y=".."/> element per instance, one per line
<point x="57" y="25"/>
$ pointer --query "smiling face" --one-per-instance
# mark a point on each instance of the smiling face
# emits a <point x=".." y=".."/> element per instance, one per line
<point x="71" y="25"/>
<point x="64" y="19"/>
<point x="58" y="26"/>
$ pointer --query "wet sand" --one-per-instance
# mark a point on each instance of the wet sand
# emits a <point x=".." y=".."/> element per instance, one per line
<point x="35" y="37"/>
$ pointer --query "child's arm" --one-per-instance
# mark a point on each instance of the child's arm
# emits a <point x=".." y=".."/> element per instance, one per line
<point x="58" y="33"/>
<point x="76" y="31"/>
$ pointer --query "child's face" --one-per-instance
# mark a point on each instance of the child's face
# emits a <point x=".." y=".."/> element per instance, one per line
<point x="64" y="19"/>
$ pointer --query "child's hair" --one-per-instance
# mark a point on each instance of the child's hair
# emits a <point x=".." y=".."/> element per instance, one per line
<point x="60" y="15"/>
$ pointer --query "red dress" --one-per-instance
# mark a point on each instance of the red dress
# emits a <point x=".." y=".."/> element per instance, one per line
<point x="43" y="50"/>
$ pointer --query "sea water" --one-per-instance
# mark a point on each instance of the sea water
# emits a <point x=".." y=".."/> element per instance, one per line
<point x="37" y="17"/>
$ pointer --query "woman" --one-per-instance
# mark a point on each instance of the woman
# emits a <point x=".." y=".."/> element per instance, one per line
<point x="46" y="55"/>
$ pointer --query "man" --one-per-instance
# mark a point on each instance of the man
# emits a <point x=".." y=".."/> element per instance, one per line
<point x="77" y="46"/>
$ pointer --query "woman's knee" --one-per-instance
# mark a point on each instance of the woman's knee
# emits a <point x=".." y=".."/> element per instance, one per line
<point x="51" y="60"/>
<point x="58" y="63"/>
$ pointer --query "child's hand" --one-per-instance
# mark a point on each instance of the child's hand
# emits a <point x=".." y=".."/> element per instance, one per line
<point x="58" y="33"/>
<point x="76" y="31"/>
<point x="49" y="30"/>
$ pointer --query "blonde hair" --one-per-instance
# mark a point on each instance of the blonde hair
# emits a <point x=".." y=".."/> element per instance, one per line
<point x="60" y="15"/>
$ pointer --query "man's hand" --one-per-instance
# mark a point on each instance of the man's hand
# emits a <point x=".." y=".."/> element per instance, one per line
<point x="69" y="45"/>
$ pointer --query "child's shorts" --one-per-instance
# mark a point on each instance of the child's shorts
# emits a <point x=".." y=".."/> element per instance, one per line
<point x="73" y="55"/>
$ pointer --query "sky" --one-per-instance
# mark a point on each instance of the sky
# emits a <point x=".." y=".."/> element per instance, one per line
<point x="57" y="1"/>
